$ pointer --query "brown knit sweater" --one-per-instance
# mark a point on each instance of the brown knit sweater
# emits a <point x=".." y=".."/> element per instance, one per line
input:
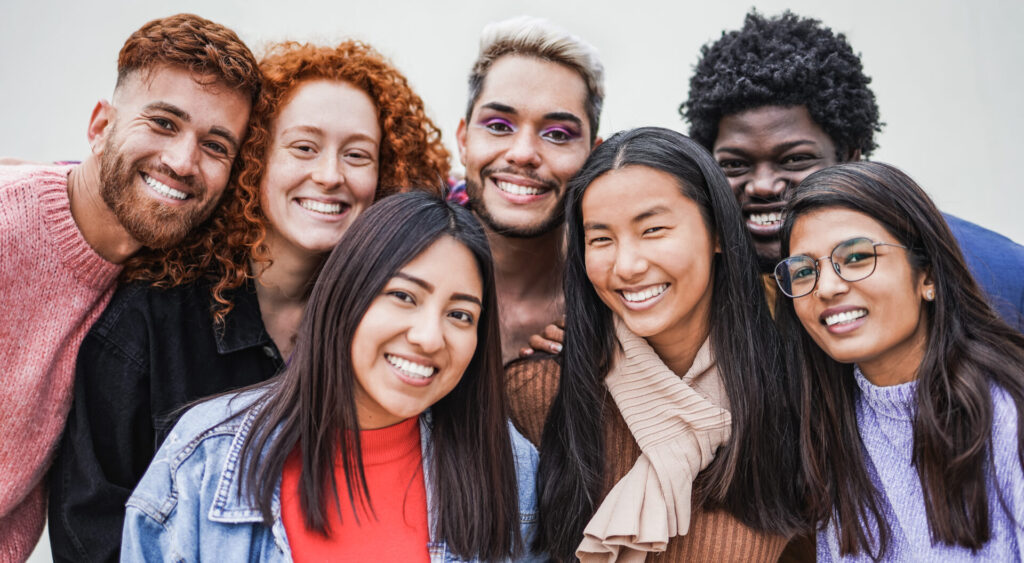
<point x="714" y="535"/>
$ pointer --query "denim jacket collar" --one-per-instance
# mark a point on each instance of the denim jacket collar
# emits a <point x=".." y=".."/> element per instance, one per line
<point x="232" y="506"/>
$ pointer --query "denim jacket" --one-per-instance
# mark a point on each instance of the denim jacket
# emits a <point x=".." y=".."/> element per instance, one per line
<point x="189" y="505"/>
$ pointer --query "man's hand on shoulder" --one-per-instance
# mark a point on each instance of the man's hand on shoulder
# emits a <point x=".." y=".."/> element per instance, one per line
<point x="549" y="340"/>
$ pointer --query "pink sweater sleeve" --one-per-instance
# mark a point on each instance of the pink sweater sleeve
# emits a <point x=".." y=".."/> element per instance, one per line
<point x="53" y="286"/>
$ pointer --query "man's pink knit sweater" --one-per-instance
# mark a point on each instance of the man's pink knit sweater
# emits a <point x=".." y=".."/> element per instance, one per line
<point x="53" y="286"/>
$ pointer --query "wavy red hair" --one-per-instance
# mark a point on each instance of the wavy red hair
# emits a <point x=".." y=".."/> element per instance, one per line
<point x="411" y="156"/>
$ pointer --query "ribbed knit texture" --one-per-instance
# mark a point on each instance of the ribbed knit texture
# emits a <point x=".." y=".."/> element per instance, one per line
<point x="396" y="531"/>
<point x="53" y="286"/>
<point x="713" y="535"/>
<point x="885" y="420"/>
<point x="679" y="427"/>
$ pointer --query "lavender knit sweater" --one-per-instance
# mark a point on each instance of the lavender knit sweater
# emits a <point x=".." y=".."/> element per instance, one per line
<point x="885" y="418"/>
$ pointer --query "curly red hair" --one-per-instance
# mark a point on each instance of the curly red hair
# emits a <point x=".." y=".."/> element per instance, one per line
<point x="411" y="156"/>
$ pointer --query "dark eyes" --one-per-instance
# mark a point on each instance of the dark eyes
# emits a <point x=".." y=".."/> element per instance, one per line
<point x="163" y="123"/>
<point x="217" y="148"/>
<point x="499" y="126"/>
<point x="733" y="167"/>
<point x="402" y="296"/>
<point x="803" y="273"/>
<point x="357" y="156"/>
<point x="559" y="135"/>
<point x="604" y="240"/>
<point x="855" y="257"/>
<point x="736" y="167"/>
<point x="799" y="159"/>
<point x="406" y="298"/>
<point x="555" y="134"/>
<point x="461" y="316"/>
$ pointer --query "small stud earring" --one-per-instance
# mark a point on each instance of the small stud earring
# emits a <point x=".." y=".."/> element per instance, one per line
<point x="929" y="295"/>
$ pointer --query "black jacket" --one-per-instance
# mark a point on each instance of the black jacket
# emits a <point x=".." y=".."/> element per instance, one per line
<point x="151" y="352"/>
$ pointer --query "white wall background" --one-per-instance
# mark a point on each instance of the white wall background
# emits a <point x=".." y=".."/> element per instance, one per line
<point x="948" y="75"/>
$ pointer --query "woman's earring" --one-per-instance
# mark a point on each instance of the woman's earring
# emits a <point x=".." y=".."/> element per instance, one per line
<point x="929" y="295"/>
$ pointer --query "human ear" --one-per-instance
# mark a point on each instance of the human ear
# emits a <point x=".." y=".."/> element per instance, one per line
<point x="927" y="287"/>
<point x="460" y="140"/>
<point x="99" y="125"/>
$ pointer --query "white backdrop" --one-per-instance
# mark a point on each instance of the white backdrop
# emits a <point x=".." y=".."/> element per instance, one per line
<point x="948" y="75"/>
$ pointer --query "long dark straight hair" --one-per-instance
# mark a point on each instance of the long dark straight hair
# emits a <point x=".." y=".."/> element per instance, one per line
<point x="968" y="348"/>
<point x="311" y="405"/>
<point x="754" y="476"/>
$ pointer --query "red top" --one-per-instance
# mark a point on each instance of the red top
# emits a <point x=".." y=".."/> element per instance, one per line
<point x="394" y="474"/>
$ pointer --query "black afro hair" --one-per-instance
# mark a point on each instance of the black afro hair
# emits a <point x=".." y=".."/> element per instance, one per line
<point x="784" y="61"/>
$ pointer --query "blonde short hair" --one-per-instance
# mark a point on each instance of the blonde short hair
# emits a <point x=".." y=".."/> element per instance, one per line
<point x="539" y="38"/>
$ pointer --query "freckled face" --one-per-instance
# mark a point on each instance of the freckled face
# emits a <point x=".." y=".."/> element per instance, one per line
<point x="418" y="336"/>
<point x="322" y="167"/>
<point x="526" y="137"/>
<point x="649" y="253"/>
<point x="762" y="151"/>
<point x="878" y="322"/>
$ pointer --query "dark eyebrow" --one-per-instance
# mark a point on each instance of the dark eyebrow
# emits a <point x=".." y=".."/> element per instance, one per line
<point x="563" y="116"/>
<point x="783" y="147"/>
<point x="429" y="287"/>
<point x="498" y="106"/>
<point x="467" y="297"/>
<point x="422" y="283"/>
<point x="169" y="108"/>
<point x="552" y="116"/>
<point x="184" y="116"/>
<point x="656" y="210"/>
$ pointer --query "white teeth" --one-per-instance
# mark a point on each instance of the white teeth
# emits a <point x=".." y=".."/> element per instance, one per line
<point x="412" y="369"/>
<point x="844" y="317"/>
<point x="321" y="207"/>
<point x="636" y="297"/>
<point x="163" y="189"/>
<point x="516" y="189"/>
<point x="766" y="219"/>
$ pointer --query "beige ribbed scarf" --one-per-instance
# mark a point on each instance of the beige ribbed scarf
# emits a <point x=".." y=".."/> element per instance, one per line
<point x="678" y="424"/>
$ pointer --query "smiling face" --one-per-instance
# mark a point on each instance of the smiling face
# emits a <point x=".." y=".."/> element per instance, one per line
<point x="648" y="254"/>
<point x="878" y="322"/>
<point x="321" y="167"/>
<point x="418" y="336"/>
<point x="526" y="137"/>
<point x="762" y="151"/>
<point x="166" y="145"/>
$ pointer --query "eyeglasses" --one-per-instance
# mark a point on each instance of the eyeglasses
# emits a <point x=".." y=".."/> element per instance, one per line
<point x="852" y="260"/>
